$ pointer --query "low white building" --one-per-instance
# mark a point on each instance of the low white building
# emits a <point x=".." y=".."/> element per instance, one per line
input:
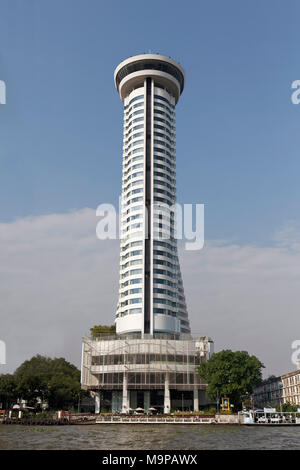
<point x="126" y="373"/>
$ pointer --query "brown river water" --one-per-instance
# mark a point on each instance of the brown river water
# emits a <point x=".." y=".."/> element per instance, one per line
<point x="148" y="437"/>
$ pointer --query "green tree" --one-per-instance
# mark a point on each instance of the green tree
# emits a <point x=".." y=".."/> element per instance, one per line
<point x="32" y="379"/>
<point x="288" y="407"/>
<point x="231" y="374"/>
<point x="8" y="393"/>
<point x="99" y="330"/>
<point x="64" y="385"/>
<point x="53" y="380"/>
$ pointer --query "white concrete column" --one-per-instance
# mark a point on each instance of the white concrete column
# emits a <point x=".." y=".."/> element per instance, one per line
<point x="167" y="401"/>
<point x="196" y="399"/>
<point x="147" y="400"/>
<point x="125" y="405"/>
<point x="97" y="402"/>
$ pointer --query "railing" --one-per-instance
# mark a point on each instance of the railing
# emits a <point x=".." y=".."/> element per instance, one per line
<point x="154" y="420"/>
<point x="164" y="336"/>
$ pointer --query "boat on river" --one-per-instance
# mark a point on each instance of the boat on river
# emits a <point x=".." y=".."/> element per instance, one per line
<point x="269" y="416"/>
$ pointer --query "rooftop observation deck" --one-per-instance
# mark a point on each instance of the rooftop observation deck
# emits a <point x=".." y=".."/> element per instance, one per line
<point x="132" y="72"/>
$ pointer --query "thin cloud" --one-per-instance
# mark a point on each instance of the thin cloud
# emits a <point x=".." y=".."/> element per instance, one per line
<point x="57" y="280"/>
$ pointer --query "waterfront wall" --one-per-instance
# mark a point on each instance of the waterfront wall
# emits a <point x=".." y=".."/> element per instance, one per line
<point x="227" y="419"/>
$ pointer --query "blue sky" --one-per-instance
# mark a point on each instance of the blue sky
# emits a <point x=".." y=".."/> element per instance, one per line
<point x="237" y="132"/>
<point x="238" y="144"/>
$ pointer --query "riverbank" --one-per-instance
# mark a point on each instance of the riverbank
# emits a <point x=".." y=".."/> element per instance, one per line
<point x="74" y="419"/>
<point x="56" y="419"/>
<point x="91" y="419"/>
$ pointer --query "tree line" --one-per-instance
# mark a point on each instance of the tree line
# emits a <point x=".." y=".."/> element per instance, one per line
<point x="57" y="382"/>
<point x="42" y="379"/>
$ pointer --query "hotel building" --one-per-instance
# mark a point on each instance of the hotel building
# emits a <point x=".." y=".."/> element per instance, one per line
<point x="151" y="360"/>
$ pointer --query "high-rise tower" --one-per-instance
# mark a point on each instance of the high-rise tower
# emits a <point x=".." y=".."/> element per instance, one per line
<point x="151" y="295"/>
<point x="152" y="360"/>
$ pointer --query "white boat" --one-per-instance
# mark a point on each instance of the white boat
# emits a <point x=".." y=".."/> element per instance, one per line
<point x="269" y="416"/>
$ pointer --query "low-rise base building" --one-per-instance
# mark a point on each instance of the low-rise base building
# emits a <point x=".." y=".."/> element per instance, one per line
<point x="125" y="373"/>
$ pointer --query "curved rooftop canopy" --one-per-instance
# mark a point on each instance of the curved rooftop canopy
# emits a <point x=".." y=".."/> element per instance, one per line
<point x="131" y="72"/>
